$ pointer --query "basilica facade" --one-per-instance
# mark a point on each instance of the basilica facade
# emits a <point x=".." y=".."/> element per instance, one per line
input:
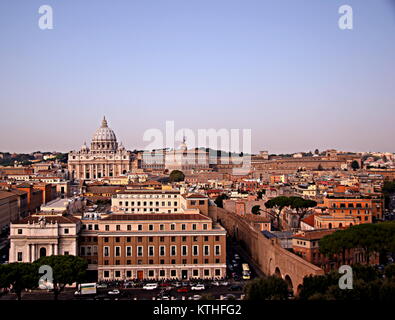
<point x="104" y="158"/>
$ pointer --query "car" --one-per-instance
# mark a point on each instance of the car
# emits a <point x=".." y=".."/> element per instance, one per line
<point x="224" y="283"/>
<point x="198" y="286"/>
<point x="177" y="284"/>
<point x="196" y="297"/>
<point x="77" y="293"/>
<point x="101" y="286"/>
<point x="150" y="286"/>
<point x="185" y="284"/>
<point x="182" y="289"/>
<point x="165" y="284"/>
<point x="230" y="297"/>
<point x="114" y="292"/>
<point x="235" y="287"/>
<point x="215" y="283"/>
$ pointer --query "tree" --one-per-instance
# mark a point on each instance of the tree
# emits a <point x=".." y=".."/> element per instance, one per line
<point x="219" y="201"/>
<point x="256" y="209"/>
<point x="19" y="276"/>
<point x="371" y="238"/>
<point x="299" y="204"/>
<point x="355" y="165"/>
<point x="66" y="270"/>
<point x="267" y="288"/>
<point x="176" y="176"/>
<point x="277" y="203"/>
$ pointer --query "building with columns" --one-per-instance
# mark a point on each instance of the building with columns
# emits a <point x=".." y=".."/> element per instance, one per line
<point x="104" y="158"/>
<point x="43" y="235"/>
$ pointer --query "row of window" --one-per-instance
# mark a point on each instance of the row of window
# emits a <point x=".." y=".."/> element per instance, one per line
<point x="161" y="261"/>
<point x="162" y="239"/>
<point x="150" y="250"/>
<point x="151" y="203"/>
<point x="154" y="227"/>
<point x="350" y="205"/>
<point x="163" y="273"/>
<point x="147" y="196"/>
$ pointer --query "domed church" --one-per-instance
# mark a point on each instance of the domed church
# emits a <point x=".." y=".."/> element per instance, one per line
<point x="104" y="158"/>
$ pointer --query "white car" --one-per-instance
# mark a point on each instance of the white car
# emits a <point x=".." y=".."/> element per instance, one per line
<point x="215" y="283"/>
<point x="150" y="286"/>
<point x="198" y="287"/>
<point x="114" y="292"/>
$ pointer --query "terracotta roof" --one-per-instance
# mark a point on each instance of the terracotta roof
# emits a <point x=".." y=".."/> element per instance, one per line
<point x="314" y="235"/>
<point x="49" y="219"/>
<point x="195" y="195"/>
<point x="310" y="219"/>
<point x="156" y="216"/>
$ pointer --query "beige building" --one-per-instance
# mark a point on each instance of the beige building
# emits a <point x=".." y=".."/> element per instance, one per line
<point x="9" y="210"/>
<point x="42" y="235"/>
<point x="105" y="158"/>
<point x="160" y="246"/>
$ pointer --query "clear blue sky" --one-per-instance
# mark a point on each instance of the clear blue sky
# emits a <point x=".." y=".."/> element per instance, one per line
<point x="280" y="67"/>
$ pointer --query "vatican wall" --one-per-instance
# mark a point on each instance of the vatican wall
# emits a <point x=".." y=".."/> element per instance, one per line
<point x="267" y="254"/>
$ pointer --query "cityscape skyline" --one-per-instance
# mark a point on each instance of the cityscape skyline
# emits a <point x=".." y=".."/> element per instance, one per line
<point x="283" y="70"/>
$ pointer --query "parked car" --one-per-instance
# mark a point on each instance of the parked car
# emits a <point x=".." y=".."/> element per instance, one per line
<point x="101" y="286"/>
<point x="150" y="286"/>
<point x="196" y="297"/>
<point x="215" y="283"/>
<point x="182" y="289"/>
<point x="165" y="284"/>
<point x="177" y="284"/>
<point x="230" y="297"/>
<point x="198" y="286"/>
<point x="114" y="292"/>
<point x="235" y="287"/>
<point x="224" y="283"/>
<point x="185" y="284"/>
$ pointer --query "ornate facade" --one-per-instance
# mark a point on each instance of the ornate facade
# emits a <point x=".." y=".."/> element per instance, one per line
<point x="104" y="158"/>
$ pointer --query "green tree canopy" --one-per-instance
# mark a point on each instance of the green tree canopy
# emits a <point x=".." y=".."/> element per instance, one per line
<point x="19" y="276"/>
<point x="267" y="288"/>
<point x="355" y="165"/>
<point x="176" y="176"/>
<point x="66" y="270"/>
<point x="256" y="209"/>
<point x="219" y="201"/>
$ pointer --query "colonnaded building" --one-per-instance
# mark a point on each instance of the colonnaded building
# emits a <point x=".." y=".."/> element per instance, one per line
<point x="104" y="158"/>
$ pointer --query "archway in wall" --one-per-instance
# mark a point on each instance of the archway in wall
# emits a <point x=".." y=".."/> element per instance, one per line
<point x="299" y="289"/>
<point x="288" y="280"/>
<point x="277" y="272"/>
<point x="270" y="267"/>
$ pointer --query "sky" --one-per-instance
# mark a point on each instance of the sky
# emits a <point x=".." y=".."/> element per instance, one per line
<point x="282" y="68"/>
